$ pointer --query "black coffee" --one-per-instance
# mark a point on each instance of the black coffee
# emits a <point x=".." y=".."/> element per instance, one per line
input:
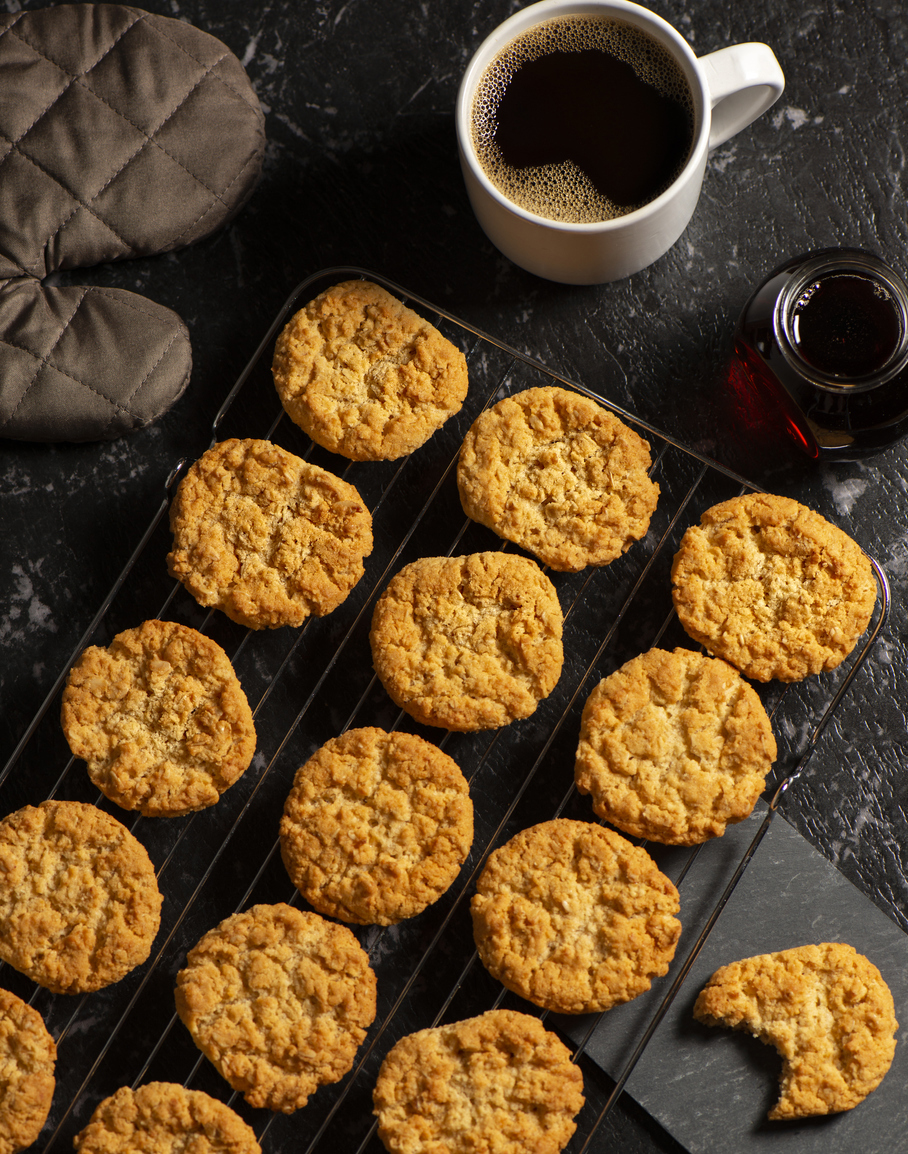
<point x="583" y="119"/>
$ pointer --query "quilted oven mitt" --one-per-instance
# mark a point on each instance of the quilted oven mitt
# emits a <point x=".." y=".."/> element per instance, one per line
<point x="122" y="134"/>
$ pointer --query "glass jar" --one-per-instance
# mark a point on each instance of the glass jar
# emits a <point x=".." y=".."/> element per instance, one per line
<point x="821" y="354"/>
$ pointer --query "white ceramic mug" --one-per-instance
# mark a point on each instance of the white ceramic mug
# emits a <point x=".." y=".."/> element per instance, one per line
<point x="730" y="89"/>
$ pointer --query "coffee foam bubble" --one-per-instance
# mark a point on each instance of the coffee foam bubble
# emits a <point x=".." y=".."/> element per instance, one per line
<point x="563" y="191"/>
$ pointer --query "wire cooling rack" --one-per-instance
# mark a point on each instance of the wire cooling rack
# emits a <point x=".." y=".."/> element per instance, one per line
<point x="309" y="684"/>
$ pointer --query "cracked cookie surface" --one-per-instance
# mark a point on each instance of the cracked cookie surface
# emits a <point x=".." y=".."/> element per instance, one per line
<point x="27" y="1058"/>
<point x="165" y="1118"/>
<point x="279" y="1000"/>
<point x="376" y="826"/>
<point x="825" y="1008"/>
<point x="574" y="918"/>
<point x="499" y="1081"/>
<point x="468" y="643"/>
<point x="772" y="587"/>
<point x="266" y="537"/>
<point x="160" y="718"/>
<point x="673" y="747"/>
<point x="364" y="375"/>
<point x="79" y="900"/>
<point x="558" y="475"/>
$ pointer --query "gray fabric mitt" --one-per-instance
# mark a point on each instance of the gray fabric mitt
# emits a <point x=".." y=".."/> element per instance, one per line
<point x="122" y="134"/>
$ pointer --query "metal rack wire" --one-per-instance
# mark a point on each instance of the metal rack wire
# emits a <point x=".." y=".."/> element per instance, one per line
<point x="310" y="684"/>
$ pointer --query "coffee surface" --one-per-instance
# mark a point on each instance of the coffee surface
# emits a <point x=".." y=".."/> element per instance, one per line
<point x="583" y="119"/>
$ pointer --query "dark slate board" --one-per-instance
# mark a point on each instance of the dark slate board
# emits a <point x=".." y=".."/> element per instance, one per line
<point x="712" y="1088"/>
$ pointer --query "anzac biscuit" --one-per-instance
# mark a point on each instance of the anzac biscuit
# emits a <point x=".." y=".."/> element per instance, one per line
<point x="27" y="1057"/>
<point x="376" y="827"/>
<point x="499" y="1082"/>
<point x="673" y="747"/>
<point x="79" y="901"/>
<point x="265" y="536"/>
<point x="825" y="1008"/>
<point x="279" y="1001"/>
<point x="469" y="642"/>
<point x="559" y="476"/>
<point x="160" y="718"/>
<point x="574" y="918"/>
<point x="364" y="375"/>
<point x="165" y="1118"/>
<point x="772" y="587"/>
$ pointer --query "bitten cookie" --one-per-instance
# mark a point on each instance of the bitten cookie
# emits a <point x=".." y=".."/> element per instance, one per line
<point x="79" y="900"/>
<point x="279" y="1001"/>
<point x="673" y="747"/>
<point x="160" y="718"/>
<point x="468" y="643"/>
<point x="558" y="475"/>
<point x="27" y="1058"/>
<point x="266" y="537"/>
<point x="165" y="1118"/>
<point x="825" y="1008"/>
<point x="376" y="826"/>
<point x="574" y="918"/>
<point x="772" y="587"/>
<point x="364" y="375"/>
<point x="499" y="1082"/>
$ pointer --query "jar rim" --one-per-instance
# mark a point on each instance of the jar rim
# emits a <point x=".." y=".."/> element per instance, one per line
<point x="823" y="265"/>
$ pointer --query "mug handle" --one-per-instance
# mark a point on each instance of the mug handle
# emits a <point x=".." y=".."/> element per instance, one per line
<point x="743" y="81"/>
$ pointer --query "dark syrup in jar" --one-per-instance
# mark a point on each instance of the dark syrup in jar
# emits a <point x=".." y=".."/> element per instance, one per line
<point x="821" y="353"/>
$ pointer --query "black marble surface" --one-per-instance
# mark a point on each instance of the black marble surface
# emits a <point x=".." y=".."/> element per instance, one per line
<point x="361" y="169"/>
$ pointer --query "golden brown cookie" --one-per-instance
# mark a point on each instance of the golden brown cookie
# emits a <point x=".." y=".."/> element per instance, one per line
<point x="499" y="1081"/>
<point x="79" y="900"/>
<point x="673" y="747"/>
<point x="364" y="375"/>
<point x="469" y="642"/>
<point x="574" y="918"/>
<point x="376" y="826"/>
<point x="772" y="587"/>
<point x="279" y="1001"/>
<point x="825" y="1008"/>
<point x="27" y="1057"/>
<point x="558" y="475"/>
<point x="265" y="536"/>
<point x="165" y="1118"/>
<point x="160" y="717"/>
